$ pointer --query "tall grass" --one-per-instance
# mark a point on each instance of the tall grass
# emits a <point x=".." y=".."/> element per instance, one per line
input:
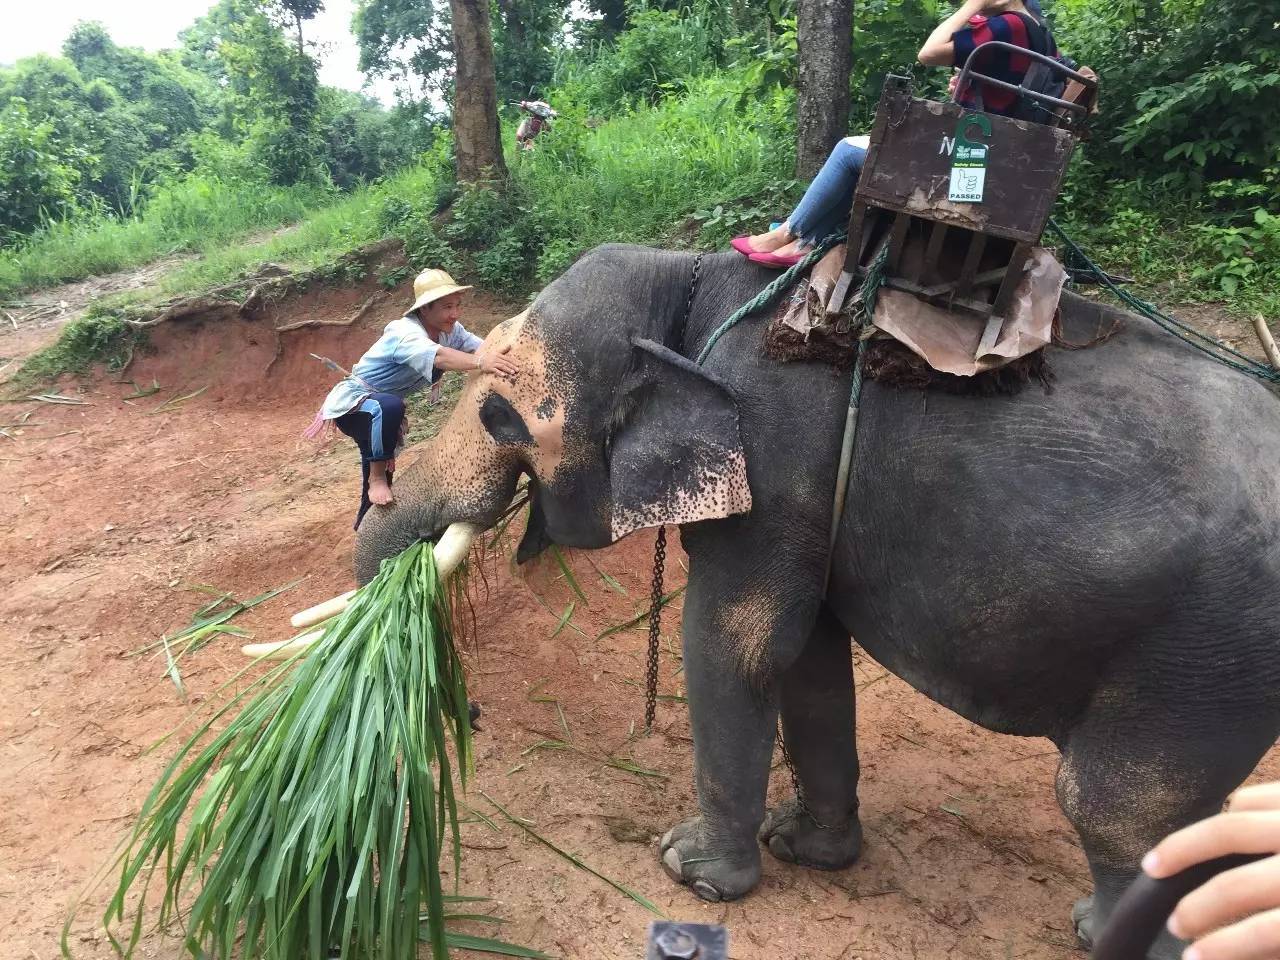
<point x="200" y="212"/>
<point x="641" y="175"/>
<point x="320" y="237"/>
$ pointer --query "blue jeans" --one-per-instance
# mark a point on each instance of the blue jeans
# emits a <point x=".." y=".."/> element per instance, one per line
<point x="824" y="209"/>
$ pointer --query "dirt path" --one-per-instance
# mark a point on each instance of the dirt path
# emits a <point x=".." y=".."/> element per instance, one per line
<point x="114" y="510"/>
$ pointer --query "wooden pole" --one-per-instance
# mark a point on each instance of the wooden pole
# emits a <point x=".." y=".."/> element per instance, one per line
<point x="1268" y="342"/>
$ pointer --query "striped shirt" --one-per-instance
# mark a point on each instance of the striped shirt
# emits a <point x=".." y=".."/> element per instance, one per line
<point x="1015" y="28"/>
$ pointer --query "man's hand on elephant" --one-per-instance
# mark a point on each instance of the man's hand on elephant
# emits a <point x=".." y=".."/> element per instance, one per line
<point x="1236" y="915"/>
<point x="499" y="363"/>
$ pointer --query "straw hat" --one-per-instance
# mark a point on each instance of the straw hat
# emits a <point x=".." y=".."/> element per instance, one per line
<point x="431" y="285"/>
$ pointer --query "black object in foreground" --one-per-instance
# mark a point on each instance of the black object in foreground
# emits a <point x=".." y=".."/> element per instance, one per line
<point x="1144" y="909"/>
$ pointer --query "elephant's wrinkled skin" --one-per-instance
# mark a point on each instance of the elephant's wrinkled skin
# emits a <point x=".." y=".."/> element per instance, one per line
<point x="1097" y="565"/>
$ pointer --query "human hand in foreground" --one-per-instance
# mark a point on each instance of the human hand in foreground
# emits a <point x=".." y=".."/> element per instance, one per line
<point x="498" y="363"/>
<point x="1236" y="915"/>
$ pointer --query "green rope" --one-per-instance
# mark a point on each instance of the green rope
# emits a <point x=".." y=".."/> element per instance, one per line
<point x="769" y="294"/>
<point x="1206" y="344"/>
<point x="863" y="311"/>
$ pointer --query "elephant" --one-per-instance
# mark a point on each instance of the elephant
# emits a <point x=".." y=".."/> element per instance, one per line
<point x="1097" y="564"/>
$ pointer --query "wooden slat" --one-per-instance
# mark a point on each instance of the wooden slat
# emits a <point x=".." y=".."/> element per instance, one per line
<point x="1013" y="274"/>
<point x="977" y="244"/>
<point x="936" y="238"/>
<point x="981" y="307"/>
<point x="898" y="236"/>
<point x="855" y="239"/>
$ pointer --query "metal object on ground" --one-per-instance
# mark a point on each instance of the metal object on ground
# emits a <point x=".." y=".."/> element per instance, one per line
<point x="687" y="941"/>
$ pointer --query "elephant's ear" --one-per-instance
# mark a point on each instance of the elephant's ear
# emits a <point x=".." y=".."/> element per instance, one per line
<point x="673" y="447"/>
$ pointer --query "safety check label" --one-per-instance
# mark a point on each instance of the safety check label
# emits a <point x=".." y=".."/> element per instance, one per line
<point x="968" y="173"/>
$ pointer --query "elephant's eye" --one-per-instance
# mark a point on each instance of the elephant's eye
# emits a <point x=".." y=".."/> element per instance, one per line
<point x="503" y="423"/>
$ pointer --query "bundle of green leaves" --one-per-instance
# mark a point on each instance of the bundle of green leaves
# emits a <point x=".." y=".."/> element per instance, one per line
<point x="317" y="816"/>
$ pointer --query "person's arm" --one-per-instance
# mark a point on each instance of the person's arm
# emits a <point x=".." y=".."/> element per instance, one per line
<point x="1236" y="915"/>
<point x="496" y="361"/>
<point x="939" y="50"/>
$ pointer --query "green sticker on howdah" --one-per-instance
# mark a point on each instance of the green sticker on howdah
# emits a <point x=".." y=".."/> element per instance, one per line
<point x="969" y="161"/>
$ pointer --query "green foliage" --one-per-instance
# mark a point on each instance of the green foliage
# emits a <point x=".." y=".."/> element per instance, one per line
<point x="38" y="173"/>
<point x="657" y="57"/>
<point x="275" y="90"/>
<point x="200" y="212"/>
<point x="103" y="131"/>
<point x="407" y="41"/>
<point x="772" y="59"/>
<point x="722" y="221"/>
<point x="313" y="821"/>
<point x="1188" y="88"/>
<point x="1238" y="259"/>
<point x="524" y="34"/>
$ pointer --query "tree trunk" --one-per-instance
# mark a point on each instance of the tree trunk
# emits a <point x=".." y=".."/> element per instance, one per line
<point x="824" y="33"/>
<point x="477" y="143"/>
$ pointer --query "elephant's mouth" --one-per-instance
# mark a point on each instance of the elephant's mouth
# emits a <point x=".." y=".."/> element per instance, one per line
<point x="536" y="538"/>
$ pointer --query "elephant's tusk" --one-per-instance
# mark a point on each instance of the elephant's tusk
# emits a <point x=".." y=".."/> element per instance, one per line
<point x="450" y="550"/>
<point x="454" y="545"/>
<point x="322" y="611"/>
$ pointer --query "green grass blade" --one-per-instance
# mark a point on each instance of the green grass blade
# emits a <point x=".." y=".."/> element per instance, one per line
<point x="462" y="941"/>
<point x="315" y="817"/>
<point x="575" y="860"/>
<point x="641" y="617"/>
<point x="568" y="573"/>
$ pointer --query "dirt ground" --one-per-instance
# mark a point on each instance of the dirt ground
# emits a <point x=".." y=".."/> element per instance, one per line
<point x="115" y="509"/>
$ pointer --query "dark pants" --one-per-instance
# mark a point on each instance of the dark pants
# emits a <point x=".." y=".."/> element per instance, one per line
<point x="377" y="427"/>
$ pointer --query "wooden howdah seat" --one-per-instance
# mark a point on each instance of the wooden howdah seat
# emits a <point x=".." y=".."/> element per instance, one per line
<point x="956" y="198"/>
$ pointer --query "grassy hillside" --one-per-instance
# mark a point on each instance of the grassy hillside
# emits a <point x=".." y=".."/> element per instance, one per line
<point x="691" y="168"/>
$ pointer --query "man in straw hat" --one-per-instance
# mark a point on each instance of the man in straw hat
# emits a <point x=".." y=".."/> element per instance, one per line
<point x="413" y="352"/>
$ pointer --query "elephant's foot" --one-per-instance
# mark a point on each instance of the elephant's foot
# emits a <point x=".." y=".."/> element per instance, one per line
<point x="791" y="834"/>
<point x="714" y="869"/>
<point x="1084" y="918"/>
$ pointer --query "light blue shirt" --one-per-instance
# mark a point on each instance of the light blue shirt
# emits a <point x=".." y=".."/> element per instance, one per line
<point x="402" y="361"/>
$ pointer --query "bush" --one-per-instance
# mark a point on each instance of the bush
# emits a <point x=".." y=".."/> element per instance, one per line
<point x="92" y="339"/>
<point x="655" y="58"/>
<point x="38" y="174"/>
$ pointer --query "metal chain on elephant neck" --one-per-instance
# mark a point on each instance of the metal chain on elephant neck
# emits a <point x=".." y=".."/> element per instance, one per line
<point x="660" y="544"/>
<point x="683" y="322"/>
<point x="655" y="623"/>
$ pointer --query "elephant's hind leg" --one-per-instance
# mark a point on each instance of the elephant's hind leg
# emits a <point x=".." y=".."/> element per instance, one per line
<point x="817" y="702"/>
<point x="1132" y="773"/>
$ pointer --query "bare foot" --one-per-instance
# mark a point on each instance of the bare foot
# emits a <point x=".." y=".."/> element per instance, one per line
<point x="379" y="487"/>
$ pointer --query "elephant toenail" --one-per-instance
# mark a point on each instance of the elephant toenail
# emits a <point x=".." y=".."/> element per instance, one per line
<point x="665" y="842"/>
<point x="671" y="863"/>
<point x="779" y="847"/>
<point x="706" y="891"/>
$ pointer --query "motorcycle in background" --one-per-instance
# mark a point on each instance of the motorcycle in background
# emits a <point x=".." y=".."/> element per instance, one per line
<point x="539" y="116"/>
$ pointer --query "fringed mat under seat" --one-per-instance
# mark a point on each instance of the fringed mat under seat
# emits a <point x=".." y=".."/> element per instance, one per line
<point x="917" y="344"/>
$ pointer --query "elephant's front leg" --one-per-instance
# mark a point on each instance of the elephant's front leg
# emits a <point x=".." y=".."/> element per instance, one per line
<point x="737" y="635"/>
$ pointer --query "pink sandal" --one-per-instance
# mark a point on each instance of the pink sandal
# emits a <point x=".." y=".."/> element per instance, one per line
<point x="776" y="261"/>
<point x="743" y="245"/>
